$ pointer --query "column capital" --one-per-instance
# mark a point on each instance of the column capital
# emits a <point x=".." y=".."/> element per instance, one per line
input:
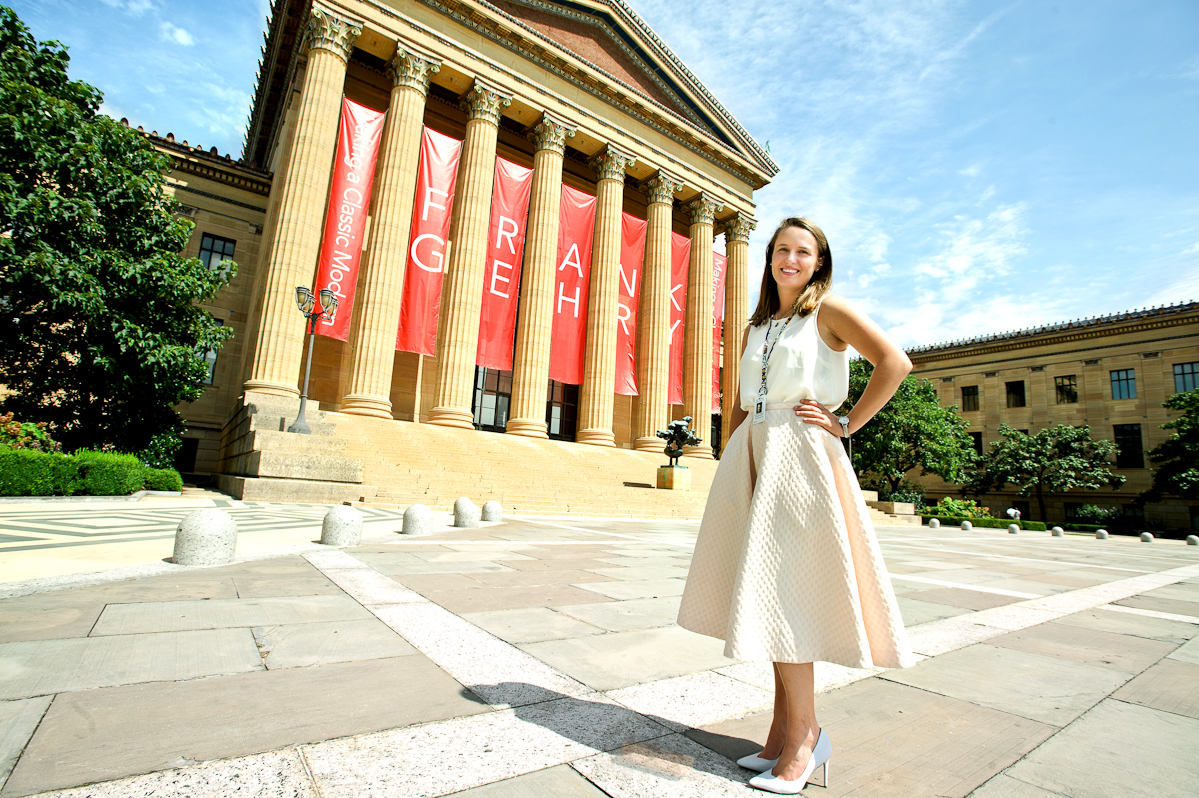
<point x="661" y="188"/>
<point x="551" y="134"/>
<point x="739" y="227"/>
<point x="484" y="102"/>
<point x="611" y="163"/>
<point x="327" y="31"/>
<point x="414" y="70"/>
<point x="703" y="209"/>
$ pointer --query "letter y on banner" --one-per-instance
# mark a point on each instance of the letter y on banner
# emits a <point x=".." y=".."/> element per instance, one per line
<point x="680" y="265"/>
<point x="632" y="252"/>
<point x="349" y="202"/>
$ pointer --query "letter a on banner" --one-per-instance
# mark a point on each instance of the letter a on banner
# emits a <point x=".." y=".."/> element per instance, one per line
<point x="435" y="181"/>
<point x="680" y="262"/>
<point x="632" y="251"/>
<point x="576" y="223"/>
<point x="349" y="201"/>
<point x="719" y="264"/>
<point x="505" y="248"/>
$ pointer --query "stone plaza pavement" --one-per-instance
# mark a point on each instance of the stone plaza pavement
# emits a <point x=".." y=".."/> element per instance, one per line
<point x="539" y="657"/>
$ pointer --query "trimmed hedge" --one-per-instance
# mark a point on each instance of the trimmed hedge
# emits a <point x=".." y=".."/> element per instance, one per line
<point x="110" y="473"/>
<point x="990" y="523"/>
<point x="27" y="472"/>
<point x="163" y="479"/>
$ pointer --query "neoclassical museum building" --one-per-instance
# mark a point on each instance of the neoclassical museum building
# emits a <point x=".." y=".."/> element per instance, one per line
<point x="515" y="203"/>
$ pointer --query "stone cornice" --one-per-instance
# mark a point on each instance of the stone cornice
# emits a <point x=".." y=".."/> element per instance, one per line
<point x="211" y="166"/>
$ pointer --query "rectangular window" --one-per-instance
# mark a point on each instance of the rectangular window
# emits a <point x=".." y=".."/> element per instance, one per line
<point x="1124" y="384"/>
<point x="1186" y="377"/>
<point x="1067" y="389"/>
<point x="209" y="357"/>
<point x="214" y="249"/>
<point x="977" y="437"/>
<point x="1072" y="509"/>
<point x="1128" y="439"/>
<point x="970" y="398"/>
<point x="1015" y="394"/>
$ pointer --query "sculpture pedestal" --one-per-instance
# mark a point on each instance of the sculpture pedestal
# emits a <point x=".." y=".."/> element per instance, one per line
<point x="674" y="477"/>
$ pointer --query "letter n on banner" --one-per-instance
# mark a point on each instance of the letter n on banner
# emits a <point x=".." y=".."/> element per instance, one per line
<point x="576" y="223"/>
<point x="680" y="262"/>
<point x="349" y="202"/>
<point x="632" y="251"/>
<point x="719" y="264"/>
<point x="505" y="248"/>
<point x="435" y="179"/>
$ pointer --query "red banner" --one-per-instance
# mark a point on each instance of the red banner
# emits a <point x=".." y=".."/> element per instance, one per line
<point x="719" y="262"/>
<point x="576" y="224"/>
<point x="505" y="248"/>
<point x="435" y="181"/>
<point x="349" y="202"/>
<point x="680" y="262"/>
<point x="632" y="251"/>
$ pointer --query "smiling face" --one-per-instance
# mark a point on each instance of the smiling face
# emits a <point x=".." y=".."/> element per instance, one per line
<point x="795" y="259"/>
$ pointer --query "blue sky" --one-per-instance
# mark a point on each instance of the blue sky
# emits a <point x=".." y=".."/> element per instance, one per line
<point x="978" y="167"/>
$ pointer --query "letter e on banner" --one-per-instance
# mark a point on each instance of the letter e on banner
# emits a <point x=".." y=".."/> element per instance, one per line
<point x="576" y="224"/>
<point x="719" y="269"/>
<point x="680" y="264"/>
<point x="435" y="179"/>
<point x="505" y="249"/>
<point x="632" y="252"/>
<point x="345" y="219"/>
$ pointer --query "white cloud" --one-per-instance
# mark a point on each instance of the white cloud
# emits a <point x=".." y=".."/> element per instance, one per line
<point x="132" y="7"/>
<point x="176" y="34"/>
<point x="973" y="170"/>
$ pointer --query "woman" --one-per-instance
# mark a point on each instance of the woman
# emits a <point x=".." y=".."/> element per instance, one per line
<point x="786" y="567"/>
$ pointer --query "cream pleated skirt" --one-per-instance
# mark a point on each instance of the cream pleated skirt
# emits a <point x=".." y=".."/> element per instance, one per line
<point x="787" y="567"/>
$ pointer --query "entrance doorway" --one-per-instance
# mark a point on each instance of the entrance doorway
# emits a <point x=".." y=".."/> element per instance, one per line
<point x="493" y="397"/>
<point x="562" y="411"/>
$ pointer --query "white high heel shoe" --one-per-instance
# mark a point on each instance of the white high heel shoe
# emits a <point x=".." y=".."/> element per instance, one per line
<point x="821" y="754"/>
<point x="755" y="762"/>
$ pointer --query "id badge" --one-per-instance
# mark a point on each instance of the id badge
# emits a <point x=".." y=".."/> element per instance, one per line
<point x="760" y="409"/>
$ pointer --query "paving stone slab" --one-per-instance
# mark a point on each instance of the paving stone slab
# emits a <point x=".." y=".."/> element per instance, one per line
<point x="279" y="774"/>
<point x="1172" y="606"/>
<point x="264" y="586"/>
<point x="556" y="564"/>
<point x="625" y="616"/>
<point x="549" y="578"/>
<point x="471" y="556"/>
<point x="645" y="562"/>
<point x="508" y="598"/>
<point x="98" y="735"/>
<point x="1187" y="652"/>
<point x="470" y="752"/>
<point x="1003" y="786"/>
<point x="643" y="572"/>
<point x="915" y="611"/>
<point x="561" y="781"/>
<point x="27" y="618"/>
<point x="300" y="645"/>
<point x="1035" y="686"/>
<point x="18" y="719"/>
<point x="966" y="599"/>
<point x="1182" y="591"/>
<point x="634" y="589"/>
<point x="426" y="583"/>
<point x="44" y="667"/>
<point x="622" y="659"/>
<point x="178" y="616"/>
<point x="531" y="625"/>
<point x="1091" y="646"/>
<point x="472" y="567"/>
<point x="1064" y="580"/>
<point x="697" y="699"/>
<point x="1170" y="685"/>
<point x="666" y="768"/>
<point x="1135" y="625"/>
<point x="1095" y="755"/>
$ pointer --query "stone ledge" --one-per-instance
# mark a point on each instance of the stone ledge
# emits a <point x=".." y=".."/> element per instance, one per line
<point x="293" y="490"/>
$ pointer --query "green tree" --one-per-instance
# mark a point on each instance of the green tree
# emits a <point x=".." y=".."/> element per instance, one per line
<point x="99" y="331"/>
<point x="1054" y="460"/>
<point x="1176" y="460"/>
<point x="912" y="431"/>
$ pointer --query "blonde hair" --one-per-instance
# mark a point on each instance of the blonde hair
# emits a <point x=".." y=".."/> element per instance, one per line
<point x="816" y="289"/>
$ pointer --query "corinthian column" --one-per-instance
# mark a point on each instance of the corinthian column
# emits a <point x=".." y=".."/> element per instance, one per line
<point x="653" y="319"/>
<point x="599" y="373"/>
<point x="697" y="327"/>
<point x="531" y="360"/>
<point x="381" y="285"/>
<point x="462" y="295"/>
<point x="736" y="313"/>
<point x="291" y="260"/>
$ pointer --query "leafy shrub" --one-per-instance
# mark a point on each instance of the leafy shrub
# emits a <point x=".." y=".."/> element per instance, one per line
<point x="163" y="479"/>
<point x="26" y="435"/>
<point x="1091" y="514"/>
<point x="27" y="472"/>
<point x="161" y="451"/>
<point x="989" y="523"/>
<point x="109" y="473"/>
<point x="912" y="497"/>
<point x="961" y="508"/>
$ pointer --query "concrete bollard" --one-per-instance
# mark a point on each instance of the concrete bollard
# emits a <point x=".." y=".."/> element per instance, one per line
<point x="342" y="527"/>
<point x="418" y="520"/>
<point x="1013" y="529"/>
<point x="465" y="513"/>
<point x="1146" y="537"/>
<point x="1101" y="534"/>
<point x="1193" y="540"/>
<point x="967" y="526"/>
<point x="1058" y="532"/>
<point x="205" y="537"/>
<point x="492" y="511"/>
<point x="934" y="523"/>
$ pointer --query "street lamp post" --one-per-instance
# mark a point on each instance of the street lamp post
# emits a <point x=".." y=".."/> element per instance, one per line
<point x="306" y="302"/>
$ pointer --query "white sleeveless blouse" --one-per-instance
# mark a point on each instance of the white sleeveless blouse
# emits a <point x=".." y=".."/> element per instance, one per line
<point x="802" y="366"/>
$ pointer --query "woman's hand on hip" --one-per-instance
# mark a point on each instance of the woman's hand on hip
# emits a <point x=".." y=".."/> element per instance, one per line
<point x="812" y="412"/>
